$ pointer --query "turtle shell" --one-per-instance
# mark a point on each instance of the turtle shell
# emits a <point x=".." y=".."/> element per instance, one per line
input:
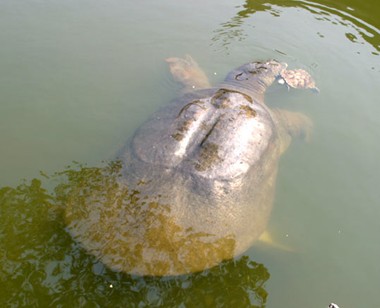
<point x="298" y="79"/>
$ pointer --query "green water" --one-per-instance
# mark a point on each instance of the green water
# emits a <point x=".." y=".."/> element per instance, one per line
<point x="78" y="77"/>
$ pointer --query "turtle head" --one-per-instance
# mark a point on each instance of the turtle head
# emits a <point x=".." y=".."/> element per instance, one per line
<point x="256" y="76"/>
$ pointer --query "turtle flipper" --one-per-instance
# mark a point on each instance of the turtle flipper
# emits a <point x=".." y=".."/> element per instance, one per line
<point x="187" y="71"/>
<point x="294" y="124"/>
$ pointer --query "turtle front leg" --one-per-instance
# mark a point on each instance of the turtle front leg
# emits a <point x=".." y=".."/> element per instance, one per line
<point x="294" y="124"/>
<point x="187" y="71"/>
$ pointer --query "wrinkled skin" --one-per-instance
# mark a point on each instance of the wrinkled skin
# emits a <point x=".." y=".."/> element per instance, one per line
<point x="204" y="168"/>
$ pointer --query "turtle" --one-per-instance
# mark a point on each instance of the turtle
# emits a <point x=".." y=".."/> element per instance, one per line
<point x="298" y="79"/>
<point x="197" y="179"/>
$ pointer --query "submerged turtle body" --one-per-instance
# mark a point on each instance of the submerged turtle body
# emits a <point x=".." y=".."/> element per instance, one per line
<point x="198" y="178"/>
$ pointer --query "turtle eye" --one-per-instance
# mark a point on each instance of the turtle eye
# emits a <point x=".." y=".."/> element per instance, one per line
<point x="253" y="72"/>
<point x="241" y="76"/>
<point x="258" y="68"/>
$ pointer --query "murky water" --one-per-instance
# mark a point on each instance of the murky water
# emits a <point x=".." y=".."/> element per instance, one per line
<point x="77" y="78"/>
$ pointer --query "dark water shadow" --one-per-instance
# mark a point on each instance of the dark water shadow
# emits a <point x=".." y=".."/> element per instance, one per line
<point x="42" y="265"/>
<point x="352" y="14"/>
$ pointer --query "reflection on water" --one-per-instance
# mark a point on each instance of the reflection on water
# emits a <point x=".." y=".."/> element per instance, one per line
<point x="43" y="265"/>
<point x="233" y="29"/>
<point x="331" y="187"/>
<point x="131" y="232"/>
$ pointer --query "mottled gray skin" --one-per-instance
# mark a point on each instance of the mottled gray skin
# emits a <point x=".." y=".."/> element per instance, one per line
<point x="212" y="157"/>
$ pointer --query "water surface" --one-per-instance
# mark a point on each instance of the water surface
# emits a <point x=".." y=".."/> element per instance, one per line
<point x="77" y="78"/>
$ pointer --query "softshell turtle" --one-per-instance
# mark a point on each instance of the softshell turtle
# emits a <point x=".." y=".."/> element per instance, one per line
<point x="198" y="177"/>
